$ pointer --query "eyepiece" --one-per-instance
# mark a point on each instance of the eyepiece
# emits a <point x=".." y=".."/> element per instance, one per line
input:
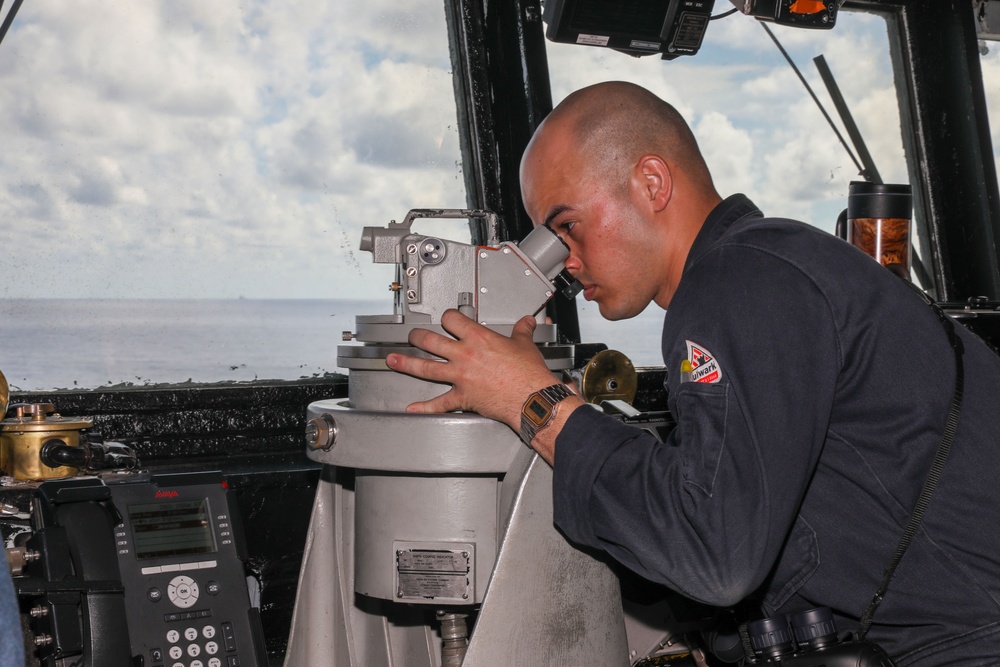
<point x="546" y="250"/>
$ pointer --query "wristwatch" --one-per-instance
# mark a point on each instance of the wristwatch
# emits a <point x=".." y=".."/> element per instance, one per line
<point x="538" y="411"/>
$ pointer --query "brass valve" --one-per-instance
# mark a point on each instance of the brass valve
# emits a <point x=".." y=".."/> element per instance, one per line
<point x="25" y="432"/>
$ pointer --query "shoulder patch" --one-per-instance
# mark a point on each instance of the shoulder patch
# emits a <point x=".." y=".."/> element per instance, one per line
<point x="704" y="366"/>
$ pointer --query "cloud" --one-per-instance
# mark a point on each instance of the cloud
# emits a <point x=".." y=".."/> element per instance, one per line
<point x="192" y="148"/>
<point x="237" y="148"/>
<point x="728" y="150"/>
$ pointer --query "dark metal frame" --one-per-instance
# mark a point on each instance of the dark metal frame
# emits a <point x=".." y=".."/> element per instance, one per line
<point x="947" y="140"/>
<point x="502" y="93"/>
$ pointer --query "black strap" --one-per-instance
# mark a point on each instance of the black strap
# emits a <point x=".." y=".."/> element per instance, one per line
<point x="951" y="426"/>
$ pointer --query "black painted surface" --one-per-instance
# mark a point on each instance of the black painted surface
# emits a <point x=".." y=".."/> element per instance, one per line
<point x="181" y="423"/>
<point x="252" y="433"/>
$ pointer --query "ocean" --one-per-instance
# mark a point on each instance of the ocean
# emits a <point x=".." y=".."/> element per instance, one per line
<point x="91" y="343"/>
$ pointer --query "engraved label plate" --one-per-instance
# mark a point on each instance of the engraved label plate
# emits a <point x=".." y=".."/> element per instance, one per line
<point x="432" y="586"/>
<point x="428" y="572"/>
<point x="425" y="560"/>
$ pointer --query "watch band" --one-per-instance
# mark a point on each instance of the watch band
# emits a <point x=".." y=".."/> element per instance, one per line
<point x="539" y="410"/>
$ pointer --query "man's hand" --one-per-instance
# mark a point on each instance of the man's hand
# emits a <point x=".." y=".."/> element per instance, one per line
<point x="489" y="373"/>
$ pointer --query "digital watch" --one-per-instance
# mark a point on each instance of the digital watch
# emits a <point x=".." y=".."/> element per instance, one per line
<point x="539" y="410"/>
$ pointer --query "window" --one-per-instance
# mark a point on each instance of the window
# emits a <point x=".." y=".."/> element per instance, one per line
<point x="183" y="184"/>
<point x="989" y="52"/>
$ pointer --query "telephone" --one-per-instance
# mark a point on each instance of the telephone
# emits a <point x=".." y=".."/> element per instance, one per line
<point x="143" y="572"/>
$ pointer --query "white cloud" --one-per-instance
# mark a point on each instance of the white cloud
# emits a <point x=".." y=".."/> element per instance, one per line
<point x="227" y="148"/>
<point x="191" y="149"/>
<point x="728" y="150"/>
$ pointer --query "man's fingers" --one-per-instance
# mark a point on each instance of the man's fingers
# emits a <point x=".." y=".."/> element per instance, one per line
<point x="432" y="342"/>
<point x="446" y="402"/>
<point x="428" y="369"/>
<point x="457" y="324"/>
<point x="525" y="327"/>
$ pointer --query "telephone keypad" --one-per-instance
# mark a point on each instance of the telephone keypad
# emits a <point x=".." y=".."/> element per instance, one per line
<point x="188" y="643"/>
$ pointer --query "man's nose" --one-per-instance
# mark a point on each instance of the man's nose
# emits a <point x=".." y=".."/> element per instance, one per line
<point x="573" y="264"/>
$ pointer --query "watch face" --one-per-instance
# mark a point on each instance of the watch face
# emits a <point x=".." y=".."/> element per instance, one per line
<point x="537" y="410"/>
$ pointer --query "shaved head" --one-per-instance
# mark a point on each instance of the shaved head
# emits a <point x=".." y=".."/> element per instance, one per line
<point x="615" y="123"/>
<point x="617" y="174"/>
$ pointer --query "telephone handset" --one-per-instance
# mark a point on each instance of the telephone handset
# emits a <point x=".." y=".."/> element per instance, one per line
<point x="146" y="572"/>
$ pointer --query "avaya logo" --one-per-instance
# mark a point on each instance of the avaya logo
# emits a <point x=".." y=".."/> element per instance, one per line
<point x="166" y="494"/>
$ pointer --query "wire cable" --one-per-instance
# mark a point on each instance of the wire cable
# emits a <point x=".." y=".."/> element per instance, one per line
<point x="10" y="18"/>
<point x="819" y="104"/>
<point x="724" y="14"/>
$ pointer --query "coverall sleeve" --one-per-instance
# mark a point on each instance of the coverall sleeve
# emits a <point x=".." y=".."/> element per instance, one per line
<point x="708" y="511"/>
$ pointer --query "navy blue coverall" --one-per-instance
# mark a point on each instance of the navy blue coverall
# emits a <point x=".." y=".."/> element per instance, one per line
<point x="816" y="393"/>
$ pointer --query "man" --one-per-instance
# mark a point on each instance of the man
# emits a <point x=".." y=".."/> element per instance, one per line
<point x="810" y="385"/>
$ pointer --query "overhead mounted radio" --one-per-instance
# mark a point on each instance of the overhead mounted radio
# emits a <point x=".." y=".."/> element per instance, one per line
<point x="818" y="14"/>
<point x="670" y="28"/>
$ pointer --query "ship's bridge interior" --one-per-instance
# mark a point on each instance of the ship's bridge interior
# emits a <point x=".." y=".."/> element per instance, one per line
<point x="204" y="460"/>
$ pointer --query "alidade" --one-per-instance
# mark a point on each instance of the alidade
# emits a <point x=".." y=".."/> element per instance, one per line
<point x="423" y="520"/>
<point x="495" y="284"/>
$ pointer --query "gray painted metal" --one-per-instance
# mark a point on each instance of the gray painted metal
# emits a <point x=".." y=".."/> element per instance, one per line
<point x="447" y="444"/>
<point x="495" y="285"/>
<point x="545" y="250"/>
<point x="428" y="512"/>
<point x="547" y="603"/>
<point x="509" y="286"/>
<point x="369" y="330"/>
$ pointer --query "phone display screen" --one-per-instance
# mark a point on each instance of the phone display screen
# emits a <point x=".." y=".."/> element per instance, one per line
<point x="171" y="529"/>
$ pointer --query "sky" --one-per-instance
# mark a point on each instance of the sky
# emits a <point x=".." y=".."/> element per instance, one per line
<point x="236" y="149"/>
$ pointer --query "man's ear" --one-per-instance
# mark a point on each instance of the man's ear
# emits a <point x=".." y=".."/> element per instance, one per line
<point x="653" y="181"/>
